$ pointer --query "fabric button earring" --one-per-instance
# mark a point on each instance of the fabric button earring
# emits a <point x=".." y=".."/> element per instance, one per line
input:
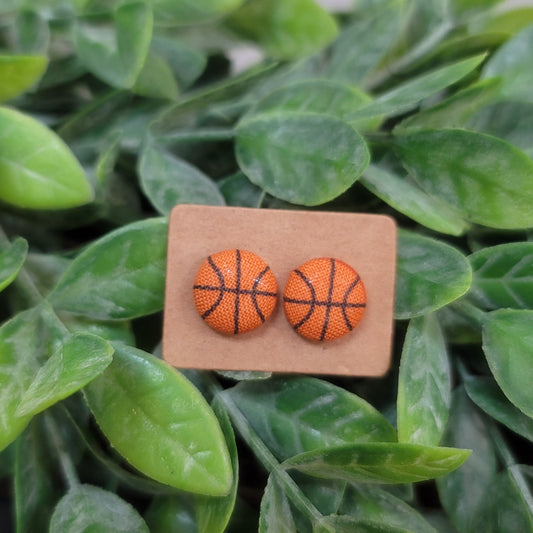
<point x="235" y="291"/>
<point x="324" y="299"/>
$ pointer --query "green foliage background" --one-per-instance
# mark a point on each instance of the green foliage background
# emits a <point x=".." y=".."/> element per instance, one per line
<point x="114" y="112"/>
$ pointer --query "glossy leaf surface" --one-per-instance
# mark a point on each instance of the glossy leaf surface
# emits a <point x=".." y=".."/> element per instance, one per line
<point x="18" y="73"/>
<point x="424" y="383"/>
<point x="404" y="196"/>
<point x="378" y="462"/>
<point x="302" y="414"/>
<point x="37" y="169"/>
<point x="503" y="276"/>
<point x="488" y="180"/>
<point x="430" y="274"/>
<point x="168" y="181"/>
<point x="90" y="508"/>
<point x="116" y="51"/>
<point x="11" y="260"/>
<point x="302" y="158"/>
<point x="118" y="276"/>
<point x="160" y="423"/>
<point x="79" y="360"/>
<point x="508" y="347"/>
<point x="486" y="394"/>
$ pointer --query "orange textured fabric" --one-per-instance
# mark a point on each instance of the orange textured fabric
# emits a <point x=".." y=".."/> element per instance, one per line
<point x="235" y="291"/>
<point x="324" y="299"/>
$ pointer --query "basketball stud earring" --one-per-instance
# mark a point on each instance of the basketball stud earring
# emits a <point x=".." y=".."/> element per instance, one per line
<point x="235" y="291"/>
<point x="324" y="299"/>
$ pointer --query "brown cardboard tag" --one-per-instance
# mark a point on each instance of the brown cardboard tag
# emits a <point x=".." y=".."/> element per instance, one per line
<point x="284" y="239"/>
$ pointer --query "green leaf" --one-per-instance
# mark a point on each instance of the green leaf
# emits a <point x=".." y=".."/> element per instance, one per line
<point x="276" y="515"/>
<point x="462" y="491"/>
<point x="19" y="73"/>
<point x="296" y="415"/>
<point x="505" y="507"/>
<point x="22" y="342"/>
<point x="286" y="29"/>
<point x="409" y="199"/>
<point x="35" y="479"/>
<point x="461" y="7"/>
<point x="156" y="79"/>
<point x="37" y="169"/>
<point x="11" y="261"/>
<point x="373" y="504"/>
<point x="316" y="96"/>
<point x="405" y="96"/>
<point x="486" y="394"/>
<point x="160" y="423"/>
<point x="238" y="190"/>
<point x="79" y="360"/>
<point x="116" y="51"/>
<point x="349" y="524"/>
<point x="167" y="181"/>
<point x="430" y="274"/>
<point x="89" y="508"/>
<point x="362" y="45"/>
<point x="508" y="347"/>
<point x="186" y="63"/>
<point x="465" y="169"/>
<point x="512" y="121"/>
<point x="171" y="513"/>
<point x="503" y="276"/>
<point x="213" y="514"/>
<point x="186" y="12"/>
<point x="454" y="112"/>
<point x="424" y="383"/>
<point x="302" y="158"/>
<point x="379" y="462"/>
<point x="121" y="275"/>
<point x="512" y="62"/>
<point x="31" y="34"/>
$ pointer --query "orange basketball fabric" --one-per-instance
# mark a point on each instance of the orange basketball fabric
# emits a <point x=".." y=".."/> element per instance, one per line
<point x="235" y="291"/>
<point x="324" y="299"/>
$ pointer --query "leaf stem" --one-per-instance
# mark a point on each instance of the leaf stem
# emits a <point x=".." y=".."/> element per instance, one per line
<point x="475" y="315"/>
<point x="67" y="467"/>
<point x="23" y="281"/>
<point x="268" y="460"/>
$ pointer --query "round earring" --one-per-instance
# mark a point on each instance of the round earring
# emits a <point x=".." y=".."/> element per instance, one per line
<point x="324" y="299"/>
<point x="235" y="291"/>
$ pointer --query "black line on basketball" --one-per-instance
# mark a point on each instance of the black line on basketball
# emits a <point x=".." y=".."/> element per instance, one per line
<point x="312" y="303"/>
<point x="254" y="293"/>
<point x="237" y="293"/>
<point x="345" y="302"/>
<point x="220" y="277"/>
<point x="329" y="300"/>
